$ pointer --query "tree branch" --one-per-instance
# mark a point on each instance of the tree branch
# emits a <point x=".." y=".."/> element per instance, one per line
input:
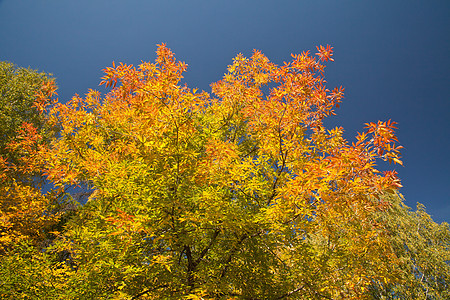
<point x="205" y="251"/>
<point x="148" y="291"/>
<point x="233" y="251"/>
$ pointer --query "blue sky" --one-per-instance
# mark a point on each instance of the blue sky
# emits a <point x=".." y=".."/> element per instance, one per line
<point x="393" y="58"/>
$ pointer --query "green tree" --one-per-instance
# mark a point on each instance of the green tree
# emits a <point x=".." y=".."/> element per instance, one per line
<point x="22" y="95"/>
<point x="423" y="249"/>
<point x="24" y="211"/>
<point x="29" y="218"/>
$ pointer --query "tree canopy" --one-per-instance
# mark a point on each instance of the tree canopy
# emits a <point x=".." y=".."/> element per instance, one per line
<point x="238" y="194"/>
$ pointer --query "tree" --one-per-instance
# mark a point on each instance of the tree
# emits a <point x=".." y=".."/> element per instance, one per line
<point x="25" y="212"/>
<point x="24" y="93"/>
<point x="423" y="250"/>
<point x="243" y="196"/>
<point x="29" y="217"/>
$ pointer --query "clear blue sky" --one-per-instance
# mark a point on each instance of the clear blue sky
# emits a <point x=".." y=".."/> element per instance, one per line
<point x="393" y="58"/>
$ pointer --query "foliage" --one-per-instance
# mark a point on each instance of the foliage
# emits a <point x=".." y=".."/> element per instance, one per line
<point x="28" y="273"/>
<point x="423" y="249"/>
<point x="24" y="93"/>
<point x="241" y="195"/>
<point x="25" y="213"/>
<point x="245" y="195"/>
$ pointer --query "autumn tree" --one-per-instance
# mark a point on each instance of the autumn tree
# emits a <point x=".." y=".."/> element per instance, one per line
<point x="29" y="216"/>
<point x="25" y="211"/>
<point x="241" y="195"/>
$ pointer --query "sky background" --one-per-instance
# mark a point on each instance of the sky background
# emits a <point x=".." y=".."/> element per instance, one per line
<point x="392" y="57"/>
